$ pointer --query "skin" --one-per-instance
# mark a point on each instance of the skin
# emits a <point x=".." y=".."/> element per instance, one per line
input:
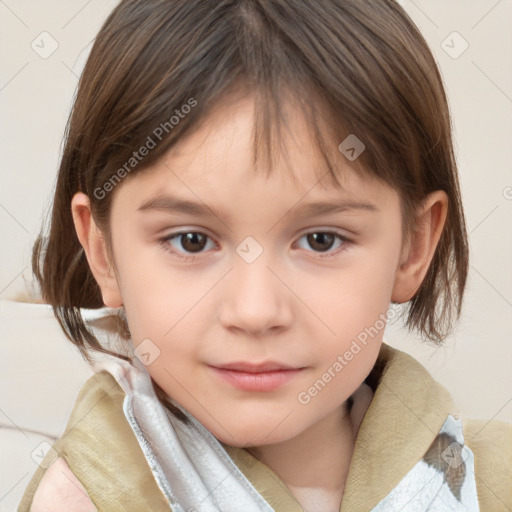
<point x="293" y="304"/>
<point x="60" y="491"/>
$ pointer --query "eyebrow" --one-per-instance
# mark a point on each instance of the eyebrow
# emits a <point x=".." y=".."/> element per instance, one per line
<point x="175" y="205"/>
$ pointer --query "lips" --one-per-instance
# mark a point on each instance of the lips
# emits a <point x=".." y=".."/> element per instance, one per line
<point x="267" y="376"/>
<point x="255" y="368"/>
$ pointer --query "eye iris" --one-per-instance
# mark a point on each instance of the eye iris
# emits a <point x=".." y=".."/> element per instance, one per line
<point x="189" y="239"/>
<point x="316" y="241"/>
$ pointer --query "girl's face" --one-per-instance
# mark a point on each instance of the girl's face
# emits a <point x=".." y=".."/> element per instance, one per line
<point x="261" y="277"/>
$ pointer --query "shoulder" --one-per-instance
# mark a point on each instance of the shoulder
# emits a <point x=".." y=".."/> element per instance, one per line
<point x="100" y="450"/>
<point x="60" y="491"/>
<point x="491" y="444"/>
<point x="100" y="390"/>
<point x="96" y="396"/>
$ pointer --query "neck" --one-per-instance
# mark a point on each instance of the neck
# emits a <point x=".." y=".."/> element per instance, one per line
<point x="317" y="460"/>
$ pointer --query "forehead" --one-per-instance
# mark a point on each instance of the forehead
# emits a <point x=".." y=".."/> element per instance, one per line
<point x="287" y="144"/>
<point x="214" y="165"/>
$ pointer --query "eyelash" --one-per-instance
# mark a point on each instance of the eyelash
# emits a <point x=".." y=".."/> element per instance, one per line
<point x="192" y="257"/>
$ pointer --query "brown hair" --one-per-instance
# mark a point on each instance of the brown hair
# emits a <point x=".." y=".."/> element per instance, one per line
<point x="363" y="65"/>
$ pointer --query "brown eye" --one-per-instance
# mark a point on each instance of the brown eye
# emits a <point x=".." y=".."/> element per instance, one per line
<point x="193" y="242"/>
<point x="324" y="242"/>
<point x="187" y="243"/>
<point x="321" y="241"/>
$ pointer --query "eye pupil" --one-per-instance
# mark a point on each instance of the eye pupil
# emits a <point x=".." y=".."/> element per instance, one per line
<point x="188" y="241"/>
<point x="317" y="241"/>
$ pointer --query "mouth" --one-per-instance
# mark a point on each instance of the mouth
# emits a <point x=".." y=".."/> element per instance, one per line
<point x="267" y="376"/>
<point x="267" y="366"/>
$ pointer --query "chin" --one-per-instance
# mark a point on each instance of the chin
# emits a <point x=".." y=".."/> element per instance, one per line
<point x="251" y="434"/>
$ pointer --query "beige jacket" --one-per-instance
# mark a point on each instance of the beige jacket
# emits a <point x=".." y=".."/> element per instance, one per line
<point x="101" y="466"/>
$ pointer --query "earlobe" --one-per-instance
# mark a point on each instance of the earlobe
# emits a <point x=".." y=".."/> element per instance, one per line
<point x="93" y="242"/>
<point x="417" y="254"/>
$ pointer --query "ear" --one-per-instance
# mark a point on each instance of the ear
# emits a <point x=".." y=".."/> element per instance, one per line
<point x="95" y="249"/>
<point x="418" y="253"/>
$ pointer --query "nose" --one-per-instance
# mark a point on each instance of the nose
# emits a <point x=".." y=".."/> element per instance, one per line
<point x="255" y="300"/>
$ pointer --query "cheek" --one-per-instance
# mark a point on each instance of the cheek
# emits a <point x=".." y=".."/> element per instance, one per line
<point x="353" y="298"/>
<point x="155" y="295"/>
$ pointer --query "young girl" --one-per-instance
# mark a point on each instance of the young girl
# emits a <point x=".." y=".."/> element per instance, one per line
<point x="305" y="148"/>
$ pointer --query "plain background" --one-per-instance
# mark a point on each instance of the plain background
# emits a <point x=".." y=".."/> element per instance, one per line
<point x="475" y="362"/>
